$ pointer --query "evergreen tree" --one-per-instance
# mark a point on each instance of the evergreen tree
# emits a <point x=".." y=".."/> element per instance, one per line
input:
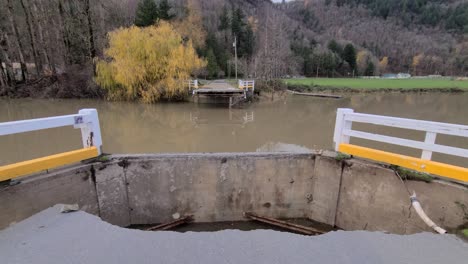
<point x="457" y="18"/>
<point x="212" y="65"/>
<point x="370" y="69"/>
<point x="164" y="10"/>
<point x="329" y="63"/>
<point x="146" y="13"/>
<point x="310" y="66"/>
<point x="246" y="41"/>
<point x="237" y="22"/>
<point x="224" y="21"/>
<point x="335" y="47"/>
<point x="302" y="48"/>
<point x="220" y="53"/>
<point x="349" y="55"/>
<point x="431" y="15"/>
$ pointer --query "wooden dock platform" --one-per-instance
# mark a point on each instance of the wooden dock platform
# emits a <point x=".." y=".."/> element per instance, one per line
<point x="219" y="92"/>
<point x="228" y="92"/>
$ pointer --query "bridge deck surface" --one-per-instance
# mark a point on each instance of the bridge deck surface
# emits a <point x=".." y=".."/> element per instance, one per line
<point x="53" y="237"/>
<point x="218" y="88"/>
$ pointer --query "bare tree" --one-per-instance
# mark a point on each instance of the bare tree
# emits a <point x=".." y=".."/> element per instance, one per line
<point x="32" y="41"/>
<point x="92" y="48"/>
<point x="274" y="58"/>
<point x="19" y="44"/>
<point x="40" y="22"/>
<point x="7" y="73"/>
<point x="63" y="35"/>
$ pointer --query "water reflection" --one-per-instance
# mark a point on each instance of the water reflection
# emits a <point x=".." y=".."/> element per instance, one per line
<point x="227" y="117"/>
<point x="186" y="127"/>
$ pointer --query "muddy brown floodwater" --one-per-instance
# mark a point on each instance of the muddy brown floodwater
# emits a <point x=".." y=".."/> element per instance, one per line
<point x="295" y="123"/>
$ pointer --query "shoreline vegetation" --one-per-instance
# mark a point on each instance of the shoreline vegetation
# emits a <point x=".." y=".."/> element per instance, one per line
<point x="268" y="88"/>
<point x="362" y="85"/>
<point x="148" y="50"/>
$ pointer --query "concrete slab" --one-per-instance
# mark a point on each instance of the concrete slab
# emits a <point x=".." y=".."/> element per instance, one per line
<point x="51" y="237"/>
<point x="446" y="203"/>
<point x="36" y="193"/>
<point x="372" y="198"/>
<point x="219" y="188"/>
<point x="326" y="189"/>
<point x="111" y="187"/>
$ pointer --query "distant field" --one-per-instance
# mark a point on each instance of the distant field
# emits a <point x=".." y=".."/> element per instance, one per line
<point x="365" y="84"/>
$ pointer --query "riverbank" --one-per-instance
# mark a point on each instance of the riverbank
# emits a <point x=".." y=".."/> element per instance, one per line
<point x="376" y="85"/>
<point x="54" y="87"/>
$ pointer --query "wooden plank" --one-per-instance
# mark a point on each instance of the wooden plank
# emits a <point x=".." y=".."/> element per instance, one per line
<point x="420" y="125"/>
<point x="316" y="94"/>
<point x="426" y="166"/>
<point x="172" y="224"/>
<point x="283" y="224"/>
<point x="12" y="171"/>
<point x="407" y="143"/>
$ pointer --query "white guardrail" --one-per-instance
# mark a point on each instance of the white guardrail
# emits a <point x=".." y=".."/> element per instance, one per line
<point x="86" y="119"/>
<point x="345" y="118"/>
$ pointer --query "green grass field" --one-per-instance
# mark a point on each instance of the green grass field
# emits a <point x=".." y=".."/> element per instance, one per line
<point x="370" y="84"/>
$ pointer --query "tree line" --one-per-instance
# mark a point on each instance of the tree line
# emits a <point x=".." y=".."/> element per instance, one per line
<point x="452" y="16"/>
<point x="55" y="45"/>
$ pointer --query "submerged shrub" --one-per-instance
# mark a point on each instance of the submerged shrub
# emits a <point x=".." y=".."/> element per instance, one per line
<point x="272" y="85"/>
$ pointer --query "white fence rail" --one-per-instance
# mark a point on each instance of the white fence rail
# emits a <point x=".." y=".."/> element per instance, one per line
<point x="345" y="118"/>
<point x="247" y="84"/>
<point x="193" y="84"/>
<point x="86" y="119"/>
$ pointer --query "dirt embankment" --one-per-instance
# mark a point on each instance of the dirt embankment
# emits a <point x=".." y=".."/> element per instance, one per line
<point x="331" y="89"/>
<point x="76" y="82"/>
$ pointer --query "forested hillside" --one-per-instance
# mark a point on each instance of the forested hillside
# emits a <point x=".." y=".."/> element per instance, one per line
<point x="57" y="43"/>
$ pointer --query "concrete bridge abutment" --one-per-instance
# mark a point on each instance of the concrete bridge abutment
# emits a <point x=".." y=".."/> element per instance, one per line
<point x="146" y="189"/>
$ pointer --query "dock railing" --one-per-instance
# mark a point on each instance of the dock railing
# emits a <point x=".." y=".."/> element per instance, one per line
<point x="247" y="84"/>
<point x="343" y="132"/>
<point x="86" y="119"/>
<point x="193" y="84"/>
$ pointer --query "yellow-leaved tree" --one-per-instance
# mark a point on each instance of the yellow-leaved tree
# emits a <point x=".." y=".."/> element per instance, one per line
<point x="362" y="59"/>
<point x="147" y="64"/>
<point x="416" y="62"/>
<point x="383" y="64"/>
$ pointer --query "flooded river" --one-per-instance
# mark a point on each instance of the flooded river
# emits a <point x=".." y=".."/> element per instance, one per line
<point x="295" y="123"/>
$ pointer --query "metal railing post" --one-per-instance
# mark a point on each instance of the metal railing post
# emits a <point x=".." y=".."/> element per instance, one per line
<point x="340" y="125"/>
<point x="90" y="129"/>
